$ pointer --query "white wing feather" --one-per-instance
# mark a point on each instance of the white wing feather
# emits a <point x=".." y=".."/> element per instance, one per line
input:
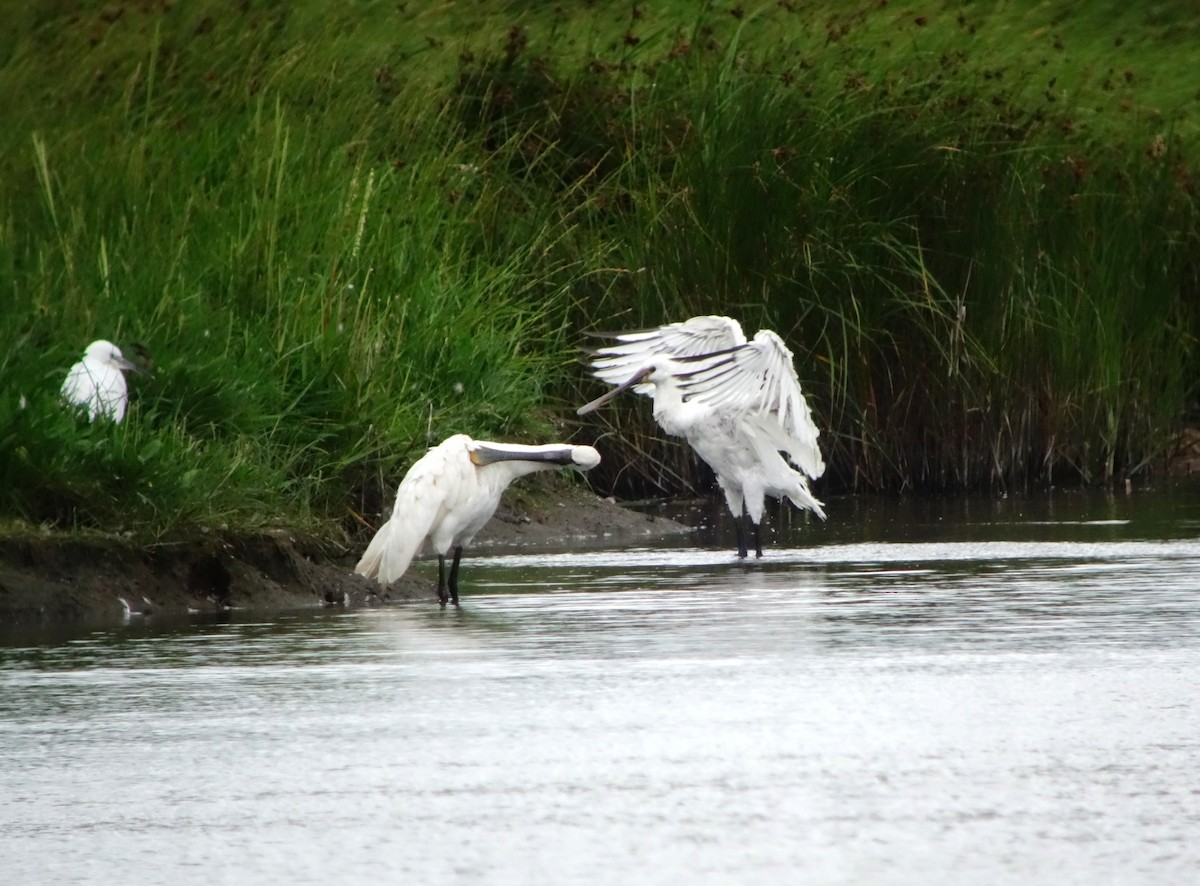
<point x="97" y="386"/>
<point x="420" y="500"/>
<point x="80" y="390"/>
<point x="758" y="380"/>
<point x="615" y="364"/>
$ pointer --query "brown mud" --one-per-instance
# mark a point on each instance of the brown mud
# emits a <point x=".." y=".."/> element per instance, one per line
<point x="49" y="579"/>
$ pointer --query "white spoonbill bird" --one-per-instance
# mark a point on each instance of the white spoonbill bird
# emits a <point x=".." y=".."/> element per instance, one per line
<point x="737" y="402"/>
<point x="97" y="383"/>
<point x="447" y="496"/>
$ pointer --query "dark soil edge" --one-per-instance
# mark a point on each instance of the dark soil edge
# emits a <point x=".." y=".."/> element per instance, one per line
<point x="52" y="579"/>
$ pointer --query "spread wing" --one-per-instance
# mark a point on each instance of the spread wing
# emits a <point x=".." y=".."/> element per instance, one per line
<point x="758" y="380"/>
<point x="617" y="363"/>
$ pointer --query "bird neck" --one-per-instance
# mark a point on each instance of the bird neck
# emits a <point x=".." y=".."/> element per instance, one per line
<point x="671" y="411"/>
<point x="499" y="465"/>
<point x="499" y="474"/>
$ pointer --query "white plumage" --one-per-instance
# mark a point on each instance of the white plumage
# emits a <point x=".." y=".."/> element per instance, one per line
<point x="129" y="611"/>
<point x="737" y="402"/>
<point x="97" y="383"/>
<point x="449" y="494"/>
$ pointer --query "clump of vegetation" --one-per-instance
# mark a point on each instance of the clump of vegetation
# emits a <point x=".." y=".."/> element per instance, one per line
<point x="347" y="232"/>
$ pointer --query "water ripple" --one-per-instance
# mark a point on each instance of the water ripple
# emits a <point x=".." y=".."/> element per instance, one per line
<point x="854" y="711"/>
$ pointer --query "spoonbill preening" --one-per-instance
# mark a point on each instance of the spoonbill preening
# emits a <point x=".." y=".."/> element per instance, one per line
<point x="737" y="402"/>
<point x="449" y="494"/>
<point x="97" y="383"/>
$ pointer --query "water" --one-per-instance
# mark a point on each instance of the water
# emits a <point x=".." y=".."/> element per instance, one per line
<point x="930" y="692"/>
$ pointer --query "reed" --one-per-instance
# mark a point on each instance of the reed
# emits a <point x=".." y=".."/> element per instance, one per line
<point x="976" y="297"/>
<point x="345" y="233"/>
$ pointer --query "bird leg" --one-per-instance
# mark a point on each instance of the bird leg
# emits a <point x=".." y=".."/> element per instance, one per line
<point x="442" y="579"/>
<point x="739" y="524"/>
<point x="454" y="576"/>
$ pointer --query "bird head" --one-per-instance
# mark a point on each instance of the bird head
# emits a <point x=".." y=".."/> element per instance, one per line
<point x="584" y="458"/>
<point x="103" y="351"/>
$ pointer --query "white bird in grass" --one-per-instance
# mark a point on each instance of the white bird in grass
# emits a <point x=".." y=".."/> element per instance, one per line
<point x="738" y="404"/>
<point x="447" y="497"/>
<point x="97" y="383"/>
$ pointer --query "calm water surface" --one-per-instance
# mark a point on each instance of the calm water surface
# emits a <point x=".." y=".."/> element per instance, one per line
<point x="923" y="692"/>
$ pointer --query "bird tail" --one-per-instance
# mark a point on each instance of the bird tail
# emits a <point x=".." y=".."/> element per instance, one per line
<point x="802" y="498"/>
<point x="800" y="443"/>
<point x="781" y="477"/>
<point x="390" y="552"/>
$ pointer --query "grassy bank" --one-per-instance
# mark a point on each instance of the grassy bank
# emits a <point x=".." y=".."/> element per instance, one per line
<point x="346" y="231"/>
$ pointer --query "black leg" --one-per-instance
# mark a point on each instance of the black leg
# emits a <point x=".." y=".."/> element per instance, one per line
<point x="757" y="541"/>
<point x="454" y="575"/>
<point x="442" y="580"/>
<point x="739" y="523"/>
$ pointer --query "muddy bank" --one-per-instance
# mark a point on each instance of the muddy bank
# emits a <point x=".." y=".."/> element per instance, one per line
<point x="53" y="579"/>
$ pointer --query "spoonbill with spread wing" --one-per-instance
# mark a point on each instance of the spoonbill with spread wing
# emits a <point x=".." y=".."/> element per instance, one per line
<point x="449" y="494"/>
<point x="97" y="383"/>
<point x="737" y="402"/>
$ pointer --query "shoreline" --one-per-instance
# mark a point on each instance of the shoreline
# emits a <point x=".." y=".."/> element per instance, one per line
<point x="58" y="579"/>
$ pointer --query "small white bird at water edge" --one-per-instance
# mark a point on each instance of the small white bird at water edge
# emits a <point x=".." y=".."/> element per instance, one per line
<point x="97" y="383"/>
<point x="130" y="611"/>
<point x="449" y="494"/>
<point x="737" y="402"/>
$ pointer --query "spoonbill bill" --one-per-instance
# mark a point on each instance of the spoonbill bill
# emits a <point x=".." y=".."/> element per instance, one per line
<point x="737" y="402"/>
<point x="449" y="494"/>
<point x="97" y="383"/>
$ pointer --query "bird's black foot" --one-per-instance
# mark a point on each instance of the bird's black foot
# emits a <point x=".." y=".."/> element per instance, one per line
<point x="739" y="524"/>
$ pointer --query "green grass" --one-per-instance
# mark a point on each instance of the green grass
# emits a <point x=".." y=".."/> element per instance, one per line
<point x="345" y="231"/>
